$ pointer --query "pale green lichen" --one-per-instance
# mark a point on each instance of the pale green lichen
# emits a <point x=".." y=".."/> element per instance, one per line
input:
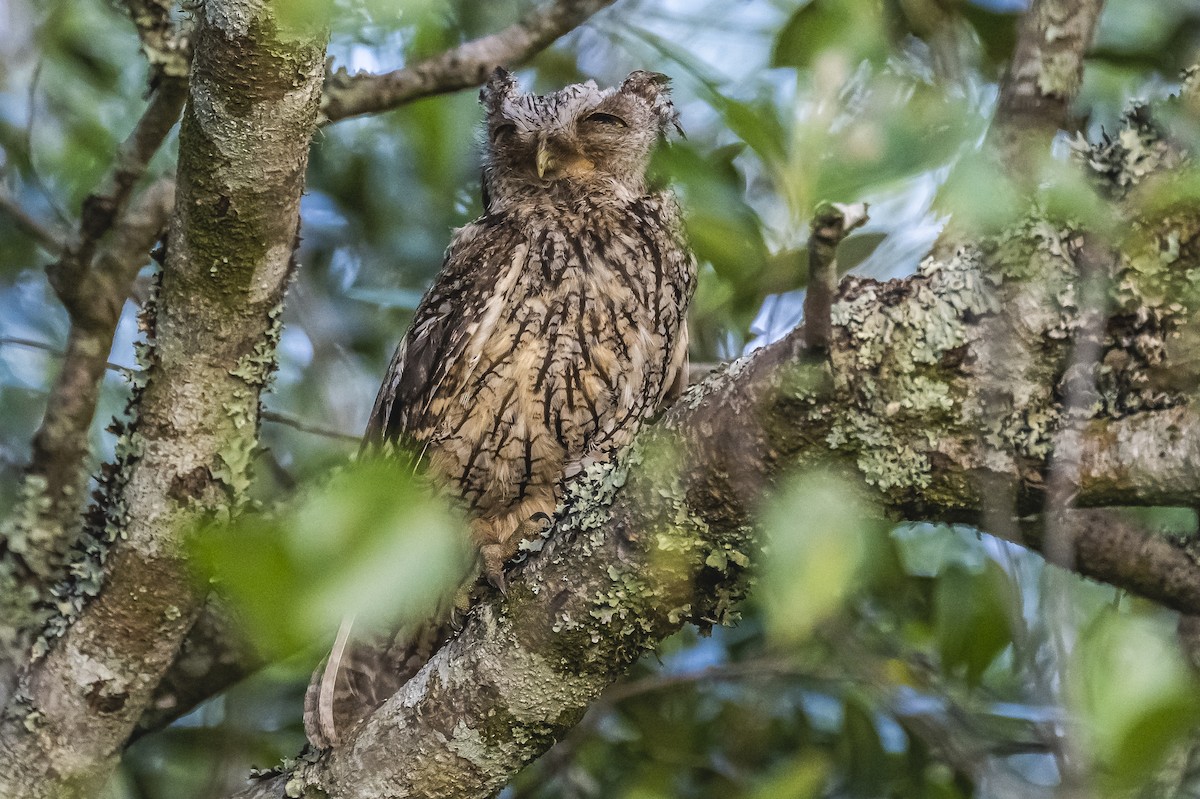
<point x="657" y="586"/>
<point x="1059" y="75"/>
<point x="109" y="515"/>
<point x="1138" y="150"/>
<point x="257" y="368"/>
<point x="891" y="372"/>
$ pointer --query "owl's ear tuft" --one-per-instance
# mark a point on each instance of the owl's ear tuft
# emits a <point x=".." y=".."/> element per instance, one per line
<point x="655" y="89"/>
<point x="500" y="85"/>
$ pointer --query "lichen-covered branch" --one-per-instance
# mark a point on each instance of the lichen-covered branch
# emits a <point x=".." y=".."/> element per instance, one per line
<point x="46" y="521"/>
<point x="1044" y="75"/>
<point x="469" y="64"/>
<point x="94" y="268"/>
<point x="251" y="109"/>
<point x="938" y="389"/>
<point x="92" y="276"/>
<point x="167" y="50"/>
<point x="935" y="385"/>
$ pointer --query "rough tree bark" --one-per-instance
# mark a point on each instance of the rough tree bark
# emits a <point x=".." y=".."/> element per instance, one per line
<point x="251" y="109"/>
<point x="39" y="535"/>
<point x="932" y="390"/>
<point x="937" y="390"/>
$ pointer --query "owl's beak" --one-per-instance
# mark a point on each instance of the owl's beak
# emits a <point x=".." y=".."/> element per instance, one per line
<point x="557" y="159"/>
<point x="545" y="161"/>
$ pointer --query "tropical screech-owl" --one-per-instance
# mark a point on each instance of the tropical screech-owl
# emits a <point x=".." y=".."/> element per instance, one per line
<point x="554" y="329"/>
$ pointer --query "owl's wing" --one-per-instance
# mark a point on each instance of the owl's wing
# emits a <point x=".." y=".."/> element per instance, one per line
<point x="430" y="348"/>
<point x="677" y="370"/>
<point x="403" y="400"/>
<point x="361" y="671"/>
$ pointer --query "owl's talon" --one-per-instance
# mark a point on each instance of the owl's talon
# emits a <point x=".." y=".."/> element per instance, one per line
<point x="498" y="581"/>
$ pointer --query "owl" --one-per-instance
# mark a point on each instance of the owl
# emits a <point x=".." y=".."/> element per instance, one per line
<point x="555" y="328"/>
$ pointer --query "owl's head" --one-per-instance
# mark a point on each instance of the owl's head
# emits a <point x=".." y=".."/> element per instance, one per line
<point x="581" y="141"/>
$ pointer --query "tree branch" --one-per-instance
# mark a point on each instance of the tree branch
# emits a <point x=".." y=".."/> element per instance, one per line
<point x="663" y="537"/>
<point x="48" y="239"/>
<point x="1102" y="545"/>
<point x="211" y="349"/>
<point x="214" y="655"/>
<point x="168" y="52"/>
<point x="469" y="64"/>
<point x="45" y="524"/>
<point x="105" y="207"/>
<point x="1043" y="77"/>
<point x="308" y="427"/>
<point x="831" y="223"/>
<point x="1042" y="80"/>
<point x="93" y="275"/>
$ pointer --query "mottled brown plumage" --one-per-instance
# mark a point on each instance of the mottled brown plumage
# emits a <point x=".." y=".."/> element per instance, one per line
<point x="556" y="326"/>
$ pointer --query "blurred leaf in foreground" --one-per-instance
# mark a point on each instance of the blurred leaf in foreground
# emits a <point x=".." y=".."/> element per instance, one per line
<point x="818" y="533"/>
<point x="374" y="542"/>
<point x="1135" y="698"/>
<point x="973" y="624"/>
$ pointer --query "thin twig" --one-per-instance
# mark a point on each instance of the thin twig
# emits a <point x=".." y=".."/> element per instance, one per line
<point x="467" y="65"/>
<point x="274" y="417"/>
<point x="48" y="514"/>
<point x="34" y="176"/>
<point x="104" y="208"/>
<point x="59" y="353"/>
<point x="48" y="239"/>
<point x="308" y="427"/>
<point x="1079" y="393"/>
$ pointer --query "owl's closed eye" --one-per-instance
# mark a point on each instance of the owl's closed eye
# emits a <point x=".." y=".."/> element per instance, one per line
<point x="579" y="138"/>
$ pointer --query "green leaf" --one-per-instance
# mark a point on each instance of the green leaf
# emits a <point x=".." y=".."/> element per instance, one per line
<point x="865" y="760"/>
<point x="799" y="777"/>
<point x="723" y="229"/>
<point x="853" y="28"/>
<point x="997" y="31"/>
<point x="1134" y="694"/>
<point x="972" y="618"/>
<point x="373" y="542"/>
<point x="757" y="123"/>
<point x="819" y="533"/>
<point x="980" y="195"/>
<point x="857" y="248"/>
<point x="927" y="549"/>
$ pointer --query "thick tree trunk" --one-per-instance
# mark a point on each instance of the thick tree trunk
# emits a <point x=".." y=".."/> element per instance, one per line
<point x="251" y="109"/>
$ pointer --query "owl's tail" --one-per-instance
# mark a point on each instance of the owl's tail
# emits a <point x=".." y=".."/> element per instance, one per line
<point x="362" y="671"/>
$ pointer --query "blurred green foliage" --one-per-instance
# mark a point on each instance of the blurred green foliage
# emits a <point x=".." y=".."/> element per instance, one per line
<point x="808" y="570"/>
<point x="912" y="661"/>
<point x="1134" y="696"/>
<point x="400" y="555"/>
